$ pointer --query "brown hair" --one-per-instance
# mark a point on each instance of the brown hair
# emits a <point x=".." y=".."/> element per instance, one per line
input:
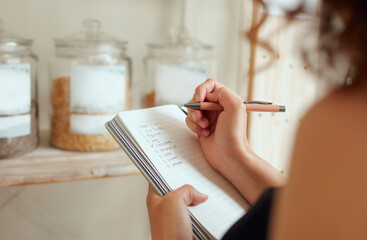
<point x="351" y="39"/>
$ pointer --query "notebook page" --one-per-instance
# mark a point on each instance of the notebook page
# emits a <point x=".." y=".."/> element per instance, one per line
<point x="176" y="153"/>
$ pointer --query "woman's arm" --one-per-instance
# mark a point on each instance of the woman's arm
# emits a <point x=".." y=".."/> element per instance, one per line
<point x="223" y="139"/>
<point x="252" y="175"/>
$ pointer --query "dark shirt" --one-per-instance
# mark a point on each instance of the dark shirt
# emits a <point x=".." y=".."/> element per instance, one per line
<point x="255" y="223"/>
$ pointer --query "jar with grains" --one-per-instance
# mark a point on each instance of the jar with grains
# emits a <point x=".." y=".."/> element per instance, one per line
<point x="18" y="95"/>
<point x="90" y="85"/>
<point x="175" y="68"/>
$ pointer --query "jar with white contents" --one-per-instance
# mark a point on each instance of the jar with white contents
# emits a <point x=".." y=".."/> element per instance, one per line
<point x="175" y="68"/>
<point x="18" y="95"/>
<point x="90" y="85"/>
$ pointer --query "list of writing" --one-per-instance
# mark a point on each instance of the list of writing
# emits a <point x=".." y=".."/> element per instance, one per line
<point x="164" y="148"/>
<point x="176" y="159"/>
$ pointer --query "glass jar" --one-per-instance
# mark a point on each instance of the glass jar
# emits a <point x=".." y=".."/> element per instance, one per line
<point x="18" y="95"/>
<point x="175" y="68"/>
<point x="90" y="85"/>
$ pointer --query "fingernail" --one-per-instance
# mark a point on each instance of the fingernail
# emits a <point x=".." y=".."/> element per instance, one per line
<point x="203" y="123"/>
<point x="204" y="195"/>
<point x="195" y="116"/>
<point x="205" y="132"/>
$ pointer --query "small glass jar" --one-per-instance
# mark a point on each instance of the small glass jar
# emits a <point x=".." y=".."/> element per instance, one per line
<point x="175" y="68"/>
<point x="18" y="95"/>
<point x="90" y="85"/>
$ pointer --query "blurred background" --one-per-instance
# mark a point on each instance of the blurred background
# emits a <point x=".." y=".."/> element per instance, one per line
<point x="114" y="208"/>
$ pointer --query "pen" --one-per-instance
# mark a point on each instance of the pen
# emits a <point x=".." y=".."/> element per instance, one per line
<point x="251" y="106"/>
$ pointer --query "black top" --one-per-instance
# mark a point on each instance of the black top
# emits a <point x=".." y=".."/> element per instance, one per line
<point x="254" y="224"/>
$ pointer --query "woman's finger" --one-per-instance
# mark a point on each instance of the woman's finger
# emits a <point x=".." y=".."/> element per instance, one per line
<point x="195" y="115"/>
<point x="199" y="96"/>
<point x="199" y="119"/>
<point x="196" y="128"/>
<point x="205" y="88"/>
<point x="229" y="100"/>
<point x="201" y="92"/>
<point x="152" y="198"/>
<point x="189" y="195"/>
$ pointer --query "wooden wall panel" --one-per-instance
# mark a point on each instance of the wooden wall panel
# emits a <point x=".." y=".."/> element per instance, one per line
<point x="283" y="77"/>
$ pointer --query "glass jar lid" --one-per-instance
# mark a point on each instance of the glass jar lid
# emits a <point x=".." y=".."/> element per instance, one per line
<point x="10" y="42"/>
<point x="90" y="36"/>
<point x="179" y="45"/>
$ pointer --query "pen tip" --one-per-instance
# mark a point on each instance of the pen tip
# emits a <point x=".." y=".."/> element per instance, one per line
<point x="281" y="108"/>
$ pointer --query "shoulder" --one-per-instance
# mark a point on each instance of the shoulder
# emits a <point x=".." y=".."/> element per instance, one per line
<point x="337" y="123"/>
<point x="328" y="171"/>
<point x="333" y="135"/>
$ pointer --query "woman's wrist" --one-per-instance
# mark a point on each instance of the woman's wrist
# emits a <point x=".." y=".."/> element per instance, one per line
<point x="243" y="156"/>
<point x="234" y="166"/>
<point x="251" y="174"/>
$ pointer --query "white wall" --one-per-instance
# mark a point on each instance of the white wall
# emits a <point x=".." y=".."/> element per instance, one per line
<point x="110" y="208"/>
<point x="138" y="21"/>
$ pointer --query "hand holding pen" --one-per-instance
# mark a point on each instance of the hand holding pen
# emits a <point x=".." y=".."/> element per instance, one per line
<point x="223" y="138"/>
<point x="225" y="105"/>
<point x="222" y="134"/>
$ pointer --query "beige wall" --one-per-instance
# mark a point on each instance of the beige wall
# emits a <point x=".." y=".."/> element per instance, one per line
<point x="110" y="208"/>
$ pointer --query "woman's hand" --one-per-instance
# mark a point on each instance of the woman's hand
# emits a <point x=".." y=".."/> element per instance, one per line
<point x="168" y="215"/>
<point x="222" y="135"/>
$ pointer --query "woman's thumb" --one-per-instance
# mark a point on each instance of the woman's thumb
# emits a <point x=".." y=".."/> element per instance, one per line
<point x="191" y="196"/>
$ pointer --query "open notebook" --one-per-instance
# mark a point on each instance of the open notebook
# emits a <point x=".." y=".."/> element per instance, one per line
<point x="169" y="156"/>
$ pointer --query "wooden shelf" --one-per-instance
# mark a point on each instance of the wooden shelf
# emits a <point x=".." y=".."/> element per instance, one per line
<point x="51" y="165"/>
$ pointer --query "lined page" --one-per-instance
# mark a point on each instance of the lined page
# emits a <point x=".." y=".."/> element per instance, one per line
<point x="175" y="151"/>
